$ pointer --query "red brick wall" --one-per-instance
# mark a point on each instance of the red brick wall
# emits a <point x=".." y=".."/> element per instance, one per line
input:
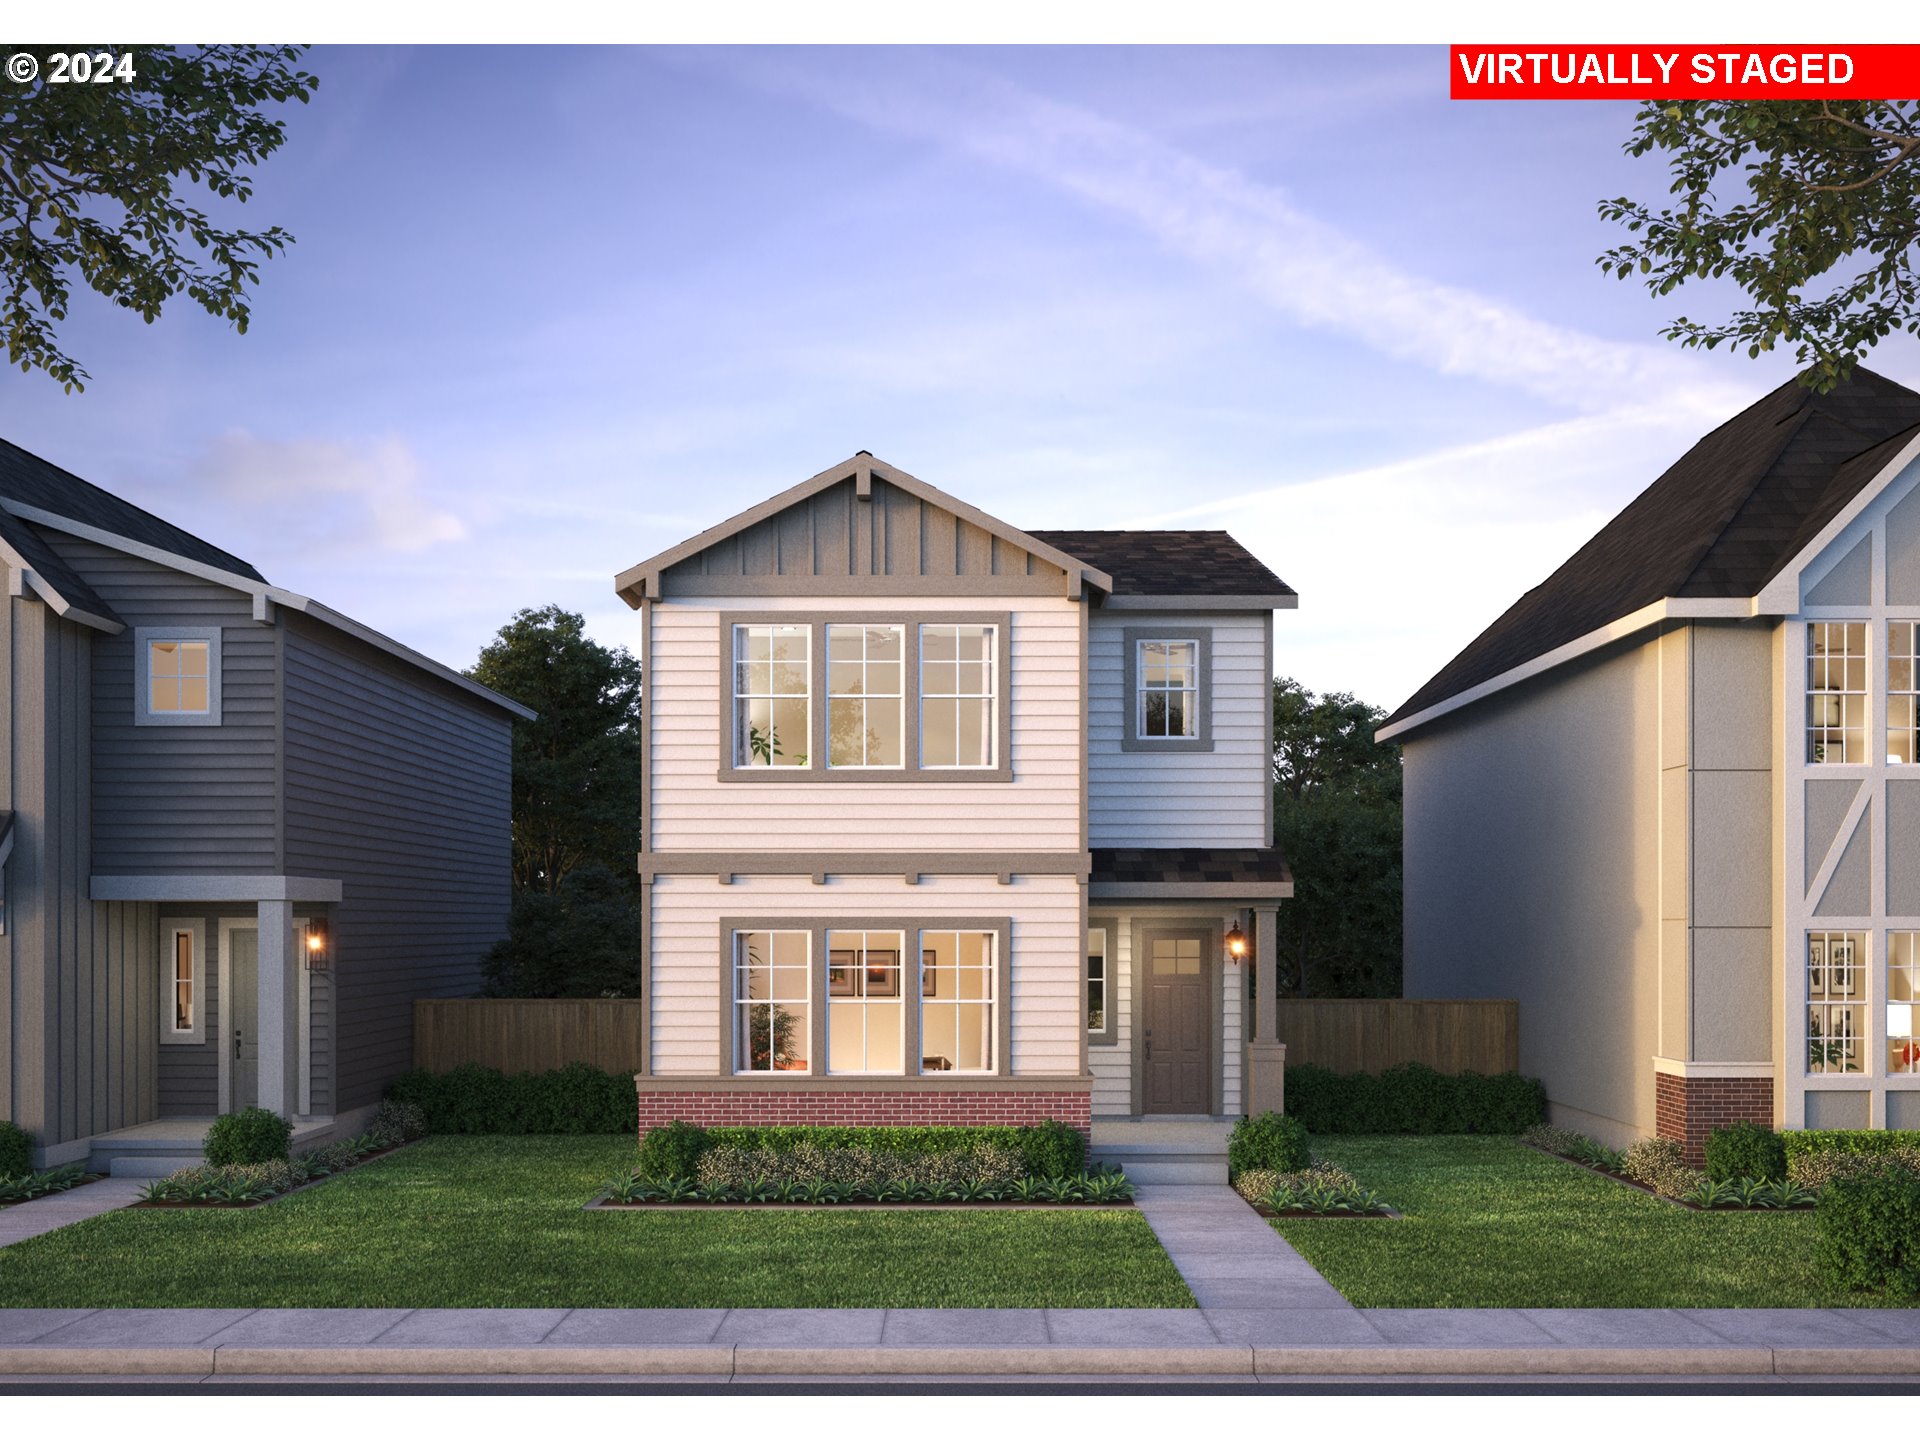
<point x="1689" y="1108"/>
<point x="942" y="1106"/>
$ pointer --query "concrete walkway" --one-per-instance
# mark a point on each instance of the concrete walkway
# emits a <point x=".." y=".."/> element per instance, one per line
<point x="1230" y="1258"/>
<point x="1234" y="1344"/>
<point x="66" y="1207"/>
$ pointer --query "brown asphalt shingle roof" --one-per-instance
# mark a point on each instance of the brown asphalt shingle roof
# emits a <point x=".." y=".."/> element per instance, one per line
<point x="1720" y="523"/>
<point x="1190" y="867"/>
<point x="1169" y="562"/>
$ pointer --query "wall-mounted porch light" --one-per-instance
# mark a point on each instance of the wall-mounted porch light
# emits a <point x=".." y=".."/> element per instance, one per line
<point x="319" y="957"/>
<point x="1236" y="943"/>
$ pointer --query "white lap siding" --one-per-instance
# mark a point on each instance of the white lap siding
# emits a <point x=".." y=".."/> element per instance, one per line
<point x="690" y="737"/>
<point x="688" y="976"/>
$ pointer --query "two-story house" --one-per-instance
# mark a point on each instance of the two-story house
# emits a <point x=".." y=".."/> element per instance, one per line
<point x="1670" y="798"/>
<point x="239" y="834"/>
<point x="952" y="822"/>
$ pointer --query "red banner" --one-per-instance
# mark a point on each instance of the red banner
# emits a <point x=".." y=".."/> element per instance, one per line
<point x="1684" y="72"/>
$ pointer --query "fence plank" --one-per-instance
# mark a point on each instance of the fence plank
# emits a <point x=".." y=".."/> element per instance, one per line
<point x="1372" y="1035"/>
<point x="515" y="1035"/>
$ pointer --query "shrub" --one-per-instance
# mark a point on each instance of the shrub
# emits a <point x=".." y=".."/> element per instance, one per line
<point x="1257" y="1185"/>
<point x="1848" y="1142"/>
<point x="252" y="1136"/>
<point x="1746" y="1152"/>
<point x="16" y="1151"/>
<point x="580" y="1099"/>
<point x="1816" y="1169"/>
<point x="395" y="1122"/>
<point x="1661" y="1165"/>
<point x="1052" y="1150"/>
<point x="673" y="1151"/>
<point x="808" y="1164"/>
<point x="1267" y="1142"/>
<point x="1048" y="1150"/>
<point x="1870" y="1233"/>
<point x="1413" y="1099"/>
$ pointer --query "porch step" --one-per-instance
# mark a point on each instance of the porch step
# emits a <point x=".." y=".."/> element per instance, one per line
<point x="161" y="1147"/>
<point x="1179" y="1151"/>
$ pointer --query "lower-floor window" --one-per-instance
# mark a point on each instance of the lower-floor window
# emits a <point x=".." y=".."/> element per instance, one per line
<point x="866" y="1012"/>
<point x="1836" y="1002"/>
<point x="957" y="1000"/>
<point x="1903" y="1002"/>
<point x="772" y="992"/>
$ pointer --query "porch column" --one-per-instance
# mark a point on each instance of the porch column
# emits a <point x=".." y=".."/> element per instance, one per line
<point x="279" y="1009"/>
<point x="1266" y="1056"/>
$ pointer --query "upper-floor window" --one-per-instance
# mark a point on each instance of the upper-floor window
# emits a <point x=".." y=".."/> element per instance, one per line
<point x="957" y="684"/>
<point x="772" y="695"/>
<point x="1167" y="680"/>
<point x="1837" y="692"/>
<point x="1903" y="694"/>
<point x="177" y="676"/>
<point x="866" y="696"/>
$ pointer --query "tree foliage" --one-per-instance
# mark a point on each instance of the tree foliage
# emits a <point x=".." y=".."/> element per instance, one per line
<point x="95" y="181"/>
<point x="1811" y="207"/>
<point x="1336" y="815"/>
<point x="576" y="769"/>
<point x="580" y="941"/>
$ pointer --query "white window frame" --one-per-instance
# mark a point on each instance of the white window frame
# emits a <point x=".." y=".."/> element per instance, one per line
<point x="1910" y="1040"/>
<point x="144" y="638"/>
<point x="867" y="698"/>
<point x="742" y="1062"/>
<point x="1846" y="698"/>
<point x="1859" y="969"/>
<point x="1104" y="934"/>
<point x="1133" y="735"/>
<point x="1910" y="655"/>
<point x="867" y="1006"/>
<point x="991" y="697"/>
<point x="990" y="1005"/>
<point x="741" y="743"/>
<point x="196" y="931"/>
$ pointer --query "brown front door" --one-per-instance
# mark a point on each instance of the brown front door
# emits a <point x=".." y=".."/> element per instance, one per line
<point x="1177" y="1036"/>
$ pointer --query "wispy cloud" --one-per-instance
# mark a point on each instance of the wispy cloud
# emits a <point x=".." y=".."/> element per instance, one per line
<point x="336" y="494"/>
<point x="1301" y="266"/>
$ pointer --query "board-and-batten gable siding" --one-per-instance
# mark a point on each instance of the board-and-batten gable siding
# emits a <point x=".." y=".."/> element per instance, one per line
<point x="688" y="973"/>
<point x="399" y="787"/>
<point x="834" y="536"/>
<point x="690" y="735"/>
<point x="1207" y="797"/>
<point x="1532" y="842"/>
<point x="179" y="799"/>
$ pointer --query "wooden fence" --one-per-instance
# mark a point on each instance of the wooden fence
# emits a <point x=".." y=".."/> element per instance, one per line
<point x="1449" y="1035"/>
<point x="513" y="1035"/>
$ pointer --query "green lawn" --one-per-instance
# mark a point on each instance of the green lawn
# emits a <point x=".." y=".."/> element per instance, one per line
<point x="1490" y="1222"/>
<point x="497" y="1221"/>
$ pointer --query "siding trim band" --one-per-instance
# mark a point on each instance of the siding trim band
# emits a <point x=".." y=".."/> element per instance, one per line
<point x="307" y="889"/>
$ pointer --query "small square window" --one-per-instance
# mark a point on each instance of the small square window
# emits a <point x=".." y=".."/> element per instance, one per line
<point x="176" y="677"/>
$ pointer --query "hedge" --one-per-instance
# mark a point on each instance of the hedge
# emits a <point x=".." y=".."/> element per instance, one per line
<point x="478" y="1100"/>
<point x="16" y="1151"/>
<point x="1049" y="1150"/>
<point x="1746" y="1152"/>
<point x="1413" y="1099"/>
<point x="1870" y="1233"/>
<point x="1847" y="1142"/>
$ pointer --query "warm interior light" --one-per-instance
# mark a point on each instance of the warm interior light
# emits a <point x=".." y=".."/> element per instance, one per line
<point x="1237" y="943"/>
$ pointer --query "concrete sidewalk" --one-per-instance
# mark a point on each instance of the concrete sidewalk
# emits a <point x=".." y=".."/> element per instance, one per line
<point x="1230" y="1258"/>
<point x="66" y="1207"/>
<point x="710" y="1346"/>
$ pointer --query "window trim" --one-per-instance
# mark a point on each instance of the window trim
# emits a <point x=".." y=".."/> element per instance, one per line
<point x="1110" y="1035"/>
<point x="1872" y="697"/>
<point x="730" y="1000"/>
<point x="913" y="772"/>
<point x="1133" y="636"/>
<point x="911" y="926"/>
<point x="146" y="636"/>
<point x="170" y="928"/>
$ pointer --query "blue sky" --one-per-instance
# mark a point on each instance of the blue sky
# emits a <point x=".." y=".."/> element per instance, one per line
<point x="552" y="310"/>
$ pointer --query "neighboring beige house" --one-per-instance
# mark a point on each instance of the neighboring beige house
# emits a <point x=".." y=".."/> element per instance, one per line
<point x="949" y="821"/>
<point x="1669" y="800"/>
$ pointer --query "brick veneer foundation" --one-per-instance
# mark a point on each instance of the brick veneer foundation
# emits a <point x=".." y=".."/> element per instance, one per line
<point x="1689" y="1108"/>
<point x="766" y="1105"/>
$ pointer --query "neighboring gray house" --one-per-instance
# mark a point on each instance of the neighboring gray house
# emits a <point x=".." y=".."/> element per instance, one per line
<point x="242" y="834"/>
<point x="950" y="821"/>
<point x="1670" y="799"/>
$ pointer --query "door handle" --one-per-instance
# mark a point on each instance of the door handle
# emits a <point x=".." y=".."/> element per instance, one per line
<point x="1149" y="1039"/>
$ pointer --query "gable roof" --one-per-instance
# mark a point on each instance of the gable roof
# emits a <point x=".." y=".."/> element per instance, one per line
<point x="25" y="548"/>
<point x="643" y="580"/>
<point x="1171" y="562"/>
<point x="1722" y="522"/>
<point x="26" y="479"/>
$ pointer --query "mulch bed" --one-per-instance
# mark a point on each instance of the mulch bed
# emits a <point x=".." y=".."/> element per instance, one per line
<point x="256" y="1204"/>
<point x="1645" y="1189"/>
<point x="83" y="1180"/>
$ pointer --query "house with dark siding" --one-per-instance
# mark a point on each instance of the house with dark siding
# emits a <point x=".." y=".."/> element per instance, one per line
<point x="242" y="833"/>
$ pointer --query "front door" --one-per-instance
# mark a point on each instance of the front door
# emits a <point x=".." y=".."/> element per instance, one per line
<point x="243" y="1015"/>
<point x="1177" y="1036"/>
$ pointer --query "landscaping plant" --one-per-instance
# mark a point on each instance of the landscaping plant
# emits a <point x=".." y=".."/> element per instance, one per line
<point x="672" y="1151"/>
<point x="1413" y="1099"/>
<point x="1661" y="1165"/>
<point x="579" y="1099"/>
<point x="1267" y="1142"/>
<point x="1746" y="1151"/>
<point x="16" y="1151"/>
<point x="29" y="1186"/>
<point x="1870" y="1233"/>
<point x="252" y="1136"/>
